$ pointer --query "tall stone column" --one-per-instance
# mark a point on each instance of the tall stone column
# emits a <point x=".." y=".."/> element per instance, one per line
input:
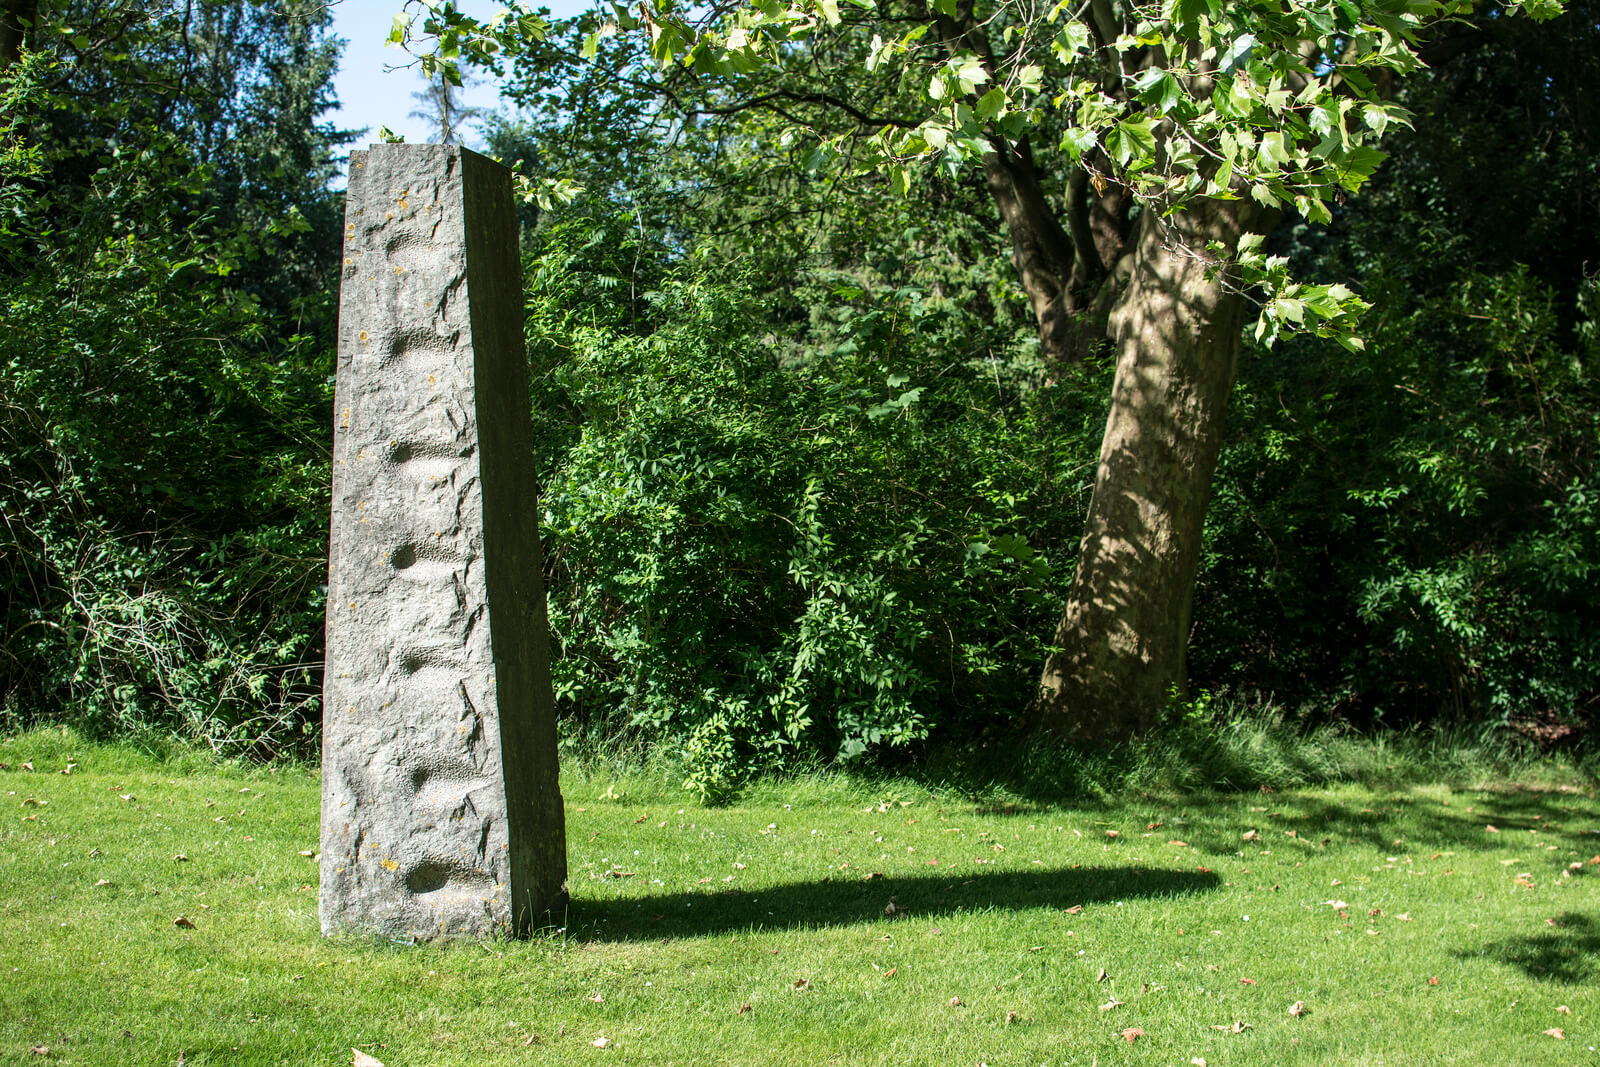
<point x="441" y="811"/>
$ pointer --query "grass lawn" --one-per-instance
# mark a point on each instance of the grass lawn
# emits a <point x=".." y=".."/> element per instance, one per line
<point x="1418" y="925"/>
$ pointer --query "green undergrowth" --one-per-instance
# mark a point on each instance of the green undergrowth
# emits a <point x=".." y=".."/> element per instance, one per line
<point x="1241" y="748"/>
<point x="817" y="918"/>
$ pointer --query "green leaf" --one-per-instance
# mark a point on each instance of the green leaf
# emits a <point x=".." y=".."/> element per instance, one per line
<point x="1376" y="118"/>
<point x="1238" y="52"/>
<point x="1354" y="167"/>
<point x="990" y="104"/>
<point x="1158" y="89"/>
<point x="899" y="179"/>
<point x="1077" y="140"/>
<point x="971" y="74"/>
<point x="1185" y="15"/>
<point x="1273" y="151"/>
<point x="1073" y="37"/>
<point x="1132" y="143"/>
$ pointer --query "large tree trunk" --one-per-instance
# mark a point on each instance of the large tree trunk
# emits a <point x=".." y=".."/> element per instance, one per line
<point x="1123" y="638"/>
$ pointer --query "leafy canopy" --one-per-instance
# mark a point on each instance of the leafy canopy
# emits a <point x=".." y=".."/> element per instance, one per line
<point x="1283" y="101"/>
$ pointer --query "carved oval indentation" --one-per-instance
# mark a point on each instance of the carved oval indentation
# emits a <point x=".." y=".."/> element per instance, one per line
<point x="446" y="789"/>
<point x="424" y="562"/>
<point x="399" y="344"/>
<point x="413" y="660"/>
<point x="437" y="876"/>
<point x="425" y="462"/>
<point x="400" y="240"/>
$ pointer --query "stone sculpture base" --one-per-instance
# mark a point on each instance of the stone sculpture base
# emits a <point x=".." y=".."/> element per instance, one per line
<point x="441" y="812"/>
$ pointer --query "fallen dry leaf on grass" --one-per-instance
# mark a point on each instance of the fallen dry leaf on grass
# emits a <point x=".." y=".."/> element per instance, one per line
<point x="600" y="1042"/>
<point x="1112" y="1003"/>
<point x="1252" y="835"/>
<point x="37" y="1050"/>
<point x="1012" y="1017"/>
<point x="598" y="998"/>
<point x="1556" y="1032"/>
<point x="1434" y="980"/>
<point x="1563" y="1009"/>
<point x="361" y="1059"/>
<point x="744" y="1009"/>
<point x="955" y="1002"/>
<point x="1297" y="1009"/>
<point x="1235" y="1028"/>
<point x="1247" y="981"/>
<point x="1491" y="829"/>
<point x="1076" y="909"/>
<point x="1132" y="1034"/>
<point x="1113" y="833"/>
<point x="1178" y="844"/>
<point x="184" y="923"/>
<point x="802" y="983"/>
<point x="1102" y="976"/>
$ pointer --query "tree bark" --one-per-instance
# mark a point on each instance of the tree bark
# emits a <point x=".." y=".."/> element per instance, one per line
<point x="1123" y="637"/>
<point x="16" y="18"/>
<point x="1041" y="251"/>
<point x="1062" y="269"/>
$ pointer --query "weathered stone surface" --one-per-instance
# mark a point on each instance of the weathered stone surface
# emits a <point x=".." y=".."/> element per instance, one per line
<point x="441" y="814"/>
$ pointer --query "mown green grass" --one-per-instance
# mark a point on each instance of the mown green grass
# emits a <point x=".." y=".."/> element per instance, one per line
<point x="682" y="915"/>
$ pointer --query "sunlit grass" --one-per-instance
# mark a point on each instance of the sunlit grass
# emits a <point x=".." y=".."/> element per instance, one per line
<point x="762" y="932"/>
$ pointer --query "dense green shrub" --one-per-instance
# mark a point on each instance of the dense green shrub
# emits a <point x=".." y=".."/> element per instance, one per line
<point x="163" y="371"/>
<point x="1412" y="533"/>
<point x="831" y="557"/>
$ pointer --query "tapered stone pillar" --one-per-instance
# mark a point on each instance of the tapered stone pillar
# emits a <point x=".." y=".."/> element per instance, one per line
<point x="441" y="813"/>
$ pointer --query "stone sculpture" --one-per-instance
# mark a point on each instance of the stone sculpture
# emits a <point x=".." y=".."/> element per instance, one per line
<point x="441" y="812"/>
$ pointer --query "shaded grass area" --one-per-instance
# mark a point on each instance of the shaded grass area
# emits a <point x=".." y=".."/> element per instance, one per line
<point x="763" y="932"/>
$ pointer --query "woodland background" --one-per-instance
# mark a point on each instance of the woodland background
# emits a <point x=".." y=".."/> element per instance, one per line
<point x="811" y="490"/>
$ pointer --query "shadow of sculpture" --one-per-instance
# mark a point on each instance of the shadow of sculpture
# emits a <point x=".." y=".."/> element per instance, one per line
<point x="846" y="900"/>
